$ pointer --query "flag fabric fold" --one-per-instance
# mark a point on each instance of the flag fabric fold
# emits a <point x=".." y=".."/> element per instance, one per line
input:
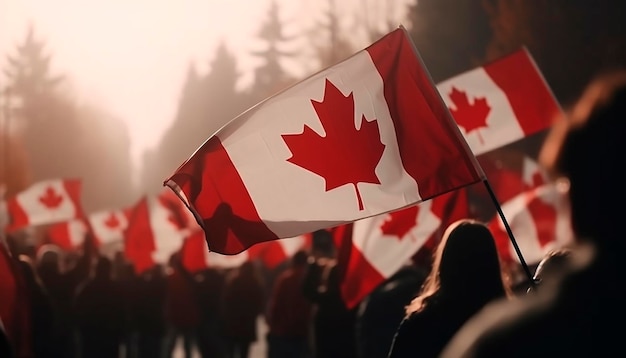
<point x="361" y="138"/>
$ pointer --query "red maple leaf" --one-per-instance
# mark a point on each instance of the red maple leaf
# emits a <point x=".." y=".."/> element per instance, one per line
<point x="112" y="221"/>
<point x="344" y="154"/>
<point x="400" y="222"/>
<point x="51" y="199"/>
<point x="470" y="116"/>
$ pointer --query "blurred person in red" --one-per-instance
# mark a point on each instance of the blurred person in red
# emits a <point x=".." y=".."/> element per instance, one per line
<point x="243" y="302"/>
<point x="289" y="312"/>
<point x="182" y="312"/>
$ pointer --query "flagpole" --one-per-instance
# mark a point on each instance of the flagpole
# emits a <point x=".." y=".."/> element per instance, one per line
<point x="510" y="233"/>
<point x="477" y="167"/>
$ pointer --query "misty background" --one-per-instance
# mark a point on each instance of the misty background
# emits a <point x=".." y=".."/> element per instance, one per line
<point x="120" y="93"/>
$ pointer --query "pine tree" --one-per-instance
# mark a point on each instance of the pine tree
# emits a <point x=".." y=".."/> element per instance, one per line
<point x="270" y="76"/>
<point x="28" y="71"/>
<point x="333" y="47"/>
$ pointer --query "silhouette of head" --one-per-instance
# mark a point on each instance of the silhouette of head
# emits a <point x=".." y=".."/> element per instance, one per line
<point x="49" y="259"/>
<point x="300" y="258"/>
<point x="467" y="256"/>
<point x="104" y="268"/>
<point x="466" y="267"/>
<point x="323" y="244"/>
<point x="587" y="147"/>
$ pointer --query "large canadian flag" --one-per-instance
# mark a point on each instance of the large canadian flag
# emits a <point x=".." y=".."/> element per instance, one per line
<point x="540" y="221"/>
<point x="381" y="245"/>
<point x="500" y="102"/>
<point x="364" y="137"/>
<point x="45" y="202"/>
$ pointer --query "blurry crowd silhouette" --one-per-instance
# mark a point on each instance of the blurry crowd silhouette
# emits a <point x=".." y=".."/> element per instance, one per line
<point x="459" y="303"/>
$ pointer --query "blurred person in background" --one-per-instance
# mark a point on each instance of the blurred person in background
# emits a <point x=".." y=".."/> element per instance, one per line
<point x="289" y="312"/>
<point x="243" y="302"/>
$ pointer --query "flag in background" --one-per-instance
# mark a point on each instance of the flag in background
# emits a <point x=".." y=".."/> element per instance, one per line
<point x="540" y="221"/>
<point x="380" y="246"/>
<point x="361" y="138"/>
<point x="45" y="202"/>
<point x="501" y="102"/>
<point x="109" y="225"/>
<point x="67" y="235"/>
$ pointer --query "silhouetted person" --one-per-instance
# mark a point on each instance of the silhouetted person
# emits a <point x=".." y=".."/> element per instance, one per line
<point x="289" y="312"/>
<point x="61" y="282"/>
<point x="5" y="347"/>
<point x="42" y="312"/>
<point x="551" y="268"/>
<point x="381" y="312"/>
<point x="210" y="283"/>
<point x="148" y="305"/>
<point x="124" y="276"/>
<point x="333" y="322"/>
<point x="99" y="313"/>
<point x="243" y="302"/>
<point x="182" y="311"/>
<point x="466" y="275"/>
<point x="581" y="315"/>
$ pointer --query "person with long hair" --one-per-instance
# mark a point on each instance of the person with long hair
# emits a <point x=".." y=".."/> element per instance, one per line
<point x="465" y="276"/>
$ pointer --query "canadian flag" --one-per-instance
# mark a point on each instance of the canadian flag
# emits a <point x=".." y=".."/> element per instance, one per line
<point x="274" y="253"/>
<point x="196" y="257"/>
<point x="45" y="202"/>
<point x="155" y="231"/>
<point x="540" y="221"/>
<point x="67" y="235"/>
<point x="507" y="183"/>
<point x="381" y="245"/>
<point x="364" y="137"/>
<point x="108" y="225"/>
<point x="500" y="102"/>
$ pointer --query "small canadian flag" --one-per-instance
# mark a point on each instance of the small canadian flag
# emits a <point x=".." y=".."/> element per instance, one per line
<point x="501" y="102"/>
<point x="376" y="248"/>
<point x="540" y="221"/>
<point x="108" y="226"/>
<point x="45" y="202"/>
<point x="68" y="235"/>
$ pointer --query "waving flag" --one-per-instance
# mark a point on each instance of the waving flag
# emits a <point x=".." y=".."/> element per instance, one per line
<point x="501" y="102"/>
<point x="45" y="202"/>
<point x="109" y="225"/>
<point x="156" y="230"/>
<point x="67" y="235"/>
<point x="361" y="138"/>
<point x="540" y="221"/>
<point x="379" y="246"/>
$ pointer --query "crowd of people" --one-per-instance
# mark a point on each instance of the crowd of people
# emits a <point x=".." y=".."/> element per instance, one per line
<point x="459" y="305"/>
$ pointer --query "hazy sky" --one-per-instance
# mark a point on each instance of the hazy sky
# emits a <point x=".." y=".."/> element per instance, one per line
<point x="130" y="56"/>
